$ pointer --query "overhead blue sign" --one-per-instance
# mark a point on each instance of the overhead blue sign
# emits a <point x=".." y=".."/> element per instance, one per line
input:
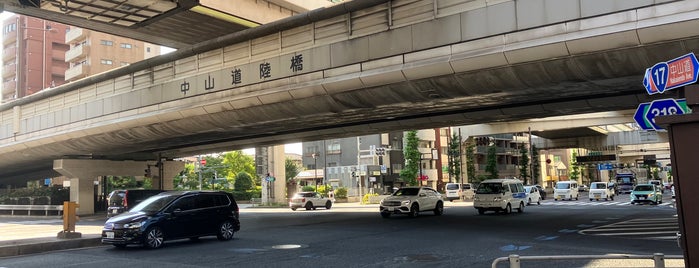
<point x="606" y="166"/>
<point x="662" y="107"/>
<point x="672" y="74"/>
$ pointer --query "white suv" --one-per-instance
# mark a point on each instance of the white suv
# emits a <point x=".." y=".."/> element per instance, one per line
<point x="412" y="200"/>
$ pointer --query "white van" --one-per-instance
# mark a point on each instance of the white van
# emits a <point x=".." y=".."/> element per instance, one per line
<point x="458" y="191"/>
<point x="500" y="195"/>
<point x="565" y="190"/>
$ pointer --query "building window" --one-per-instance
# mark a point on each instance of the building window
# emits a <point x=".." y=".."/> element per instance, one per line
<point x="125" y="45"/>
<point x="106" y="62"/>
<point x="334" y="148"/>
<point x="106" y="43"/>
<point x="148" y="49"/>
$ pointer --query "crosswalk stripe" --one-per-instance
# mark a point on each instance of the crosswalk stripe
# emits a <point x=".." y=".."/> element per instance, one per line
<point x="647" y="229"/>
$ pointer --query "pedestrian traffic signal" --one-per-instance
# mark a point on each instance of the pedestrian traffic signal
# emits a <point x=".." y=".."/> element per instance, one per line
<point x="380" y="151"/>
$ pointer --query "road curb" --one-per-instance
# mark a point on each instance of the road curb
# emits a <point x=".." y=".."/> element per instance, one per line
<point x="33" y="246"/>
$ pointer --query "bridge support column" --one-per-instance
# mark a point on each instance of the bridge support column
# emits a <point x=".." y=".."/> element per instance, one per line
<point x="271" y="161"/>
<point x="82" y="191"/>
<point x="82" y="173"/>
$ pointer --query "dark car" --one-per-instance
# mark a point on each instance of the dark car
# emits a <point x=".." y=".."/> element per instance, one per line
<point x="123" y="200"/>
<point x="542" y="192"/>
<point x="174" y="215"/>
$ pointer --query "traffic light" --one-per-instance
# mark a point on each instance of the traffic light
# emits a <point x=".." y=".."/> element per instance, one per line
<point x="380" y="151"/>
<point x="148" y="173"/>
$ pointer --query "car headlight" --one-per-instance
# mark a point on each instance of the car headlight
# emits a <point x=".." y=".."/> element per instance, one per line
<point x="133" y="225"/>
<point x="405" y="202"/>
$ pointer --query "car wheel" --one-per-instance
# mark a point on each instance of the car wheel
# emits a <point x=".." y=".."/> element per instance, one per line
<point x="119" y="245"/>
<point x="508" y="209"/>
<point x="294" y="209"/>
<point x="225" y="231"/>
<point x="439" y="209"/>
<point x="328" y="204"/>
<point x="529" y="201"/>
<point x="481" y="211"/>
<point x="612" y="198"/>
<point x="520" y="209"/>
<point x="538" y="202"/>
<point x="414" y="210"/>
<point x="309" y="206"/>
<point x="154" y="238"/>
<point x="590" y="199"/>
<point x="385" y="214"/>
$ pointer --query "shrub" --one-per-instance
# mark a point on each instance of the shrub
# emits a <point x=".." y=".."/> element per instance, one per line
<point x="341" y="192"/>
<point x="308" y="188"/>
<point x="365" y="199"/>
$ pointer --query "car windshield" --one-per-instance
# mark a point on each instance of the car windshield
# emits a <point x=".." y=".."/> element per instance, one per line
<point x="153" y="204"/>
<point x="598" y="186"/>
<point x="644" y="188"/>
<point x="452" y="187"/>
<point x="490" y="188"/>
<point x="562" y="185"/>
<point x="407" y="191"/>
<point x="528" y="189"/>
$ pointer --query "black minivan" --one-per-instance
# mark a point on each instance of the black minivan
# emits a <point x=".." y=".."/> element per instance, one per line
<point x="123" y="200"/>
<point x="174" y="215"/>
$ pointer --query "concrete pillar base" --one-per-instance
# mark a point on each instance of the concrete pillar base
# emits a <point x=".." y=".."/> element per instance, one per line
<point x="68" y="235"/>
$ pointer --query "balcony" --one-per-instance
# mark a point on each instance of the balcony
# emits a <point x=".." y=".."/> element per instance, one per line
<point x="9" y="53"/>
<point x="9" y="38"/>
<point x="9" y="70"/>
<point x="77" y="72"/>
<point x="9" y="88"/>
<point x="75" y="35"/>
<point x="77" y="53"/>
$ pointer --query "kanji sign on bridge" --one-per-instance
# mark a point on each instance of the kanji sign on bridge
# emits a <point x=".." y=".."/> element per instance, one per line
<point x="672" y="74"/>
<point x="661" y="108"/>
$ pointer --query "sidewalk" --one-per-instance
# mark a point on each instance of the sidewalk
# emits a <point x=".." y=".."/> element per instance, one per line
<point x="30" y="235"/>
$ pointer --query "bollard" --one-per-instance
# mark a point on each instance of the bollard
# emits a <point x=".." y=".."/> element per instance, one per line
<point x="514" y="261"/>
<point x="69" y="219"/>
<point x="659" y="260"/>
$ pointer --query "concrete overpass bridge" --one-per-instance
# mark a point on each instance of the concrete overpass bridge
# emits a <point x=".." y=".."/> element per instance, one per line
<point x="355" y="68"/>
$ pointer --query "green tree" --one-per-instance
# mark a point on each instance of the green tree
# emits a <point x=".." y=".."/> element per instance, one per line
<point x="187" y="179"/>
<point x="575" y="173"/>
<point x="471" y="162"/>
<point x="536" y="165"/>
<point x="412" y="158"/>
<point x="123" y="182"/>
<point x="291" y="169"/>
<point x="454" y="153"/>
<point x="235" y="162"/>
<point x="491" y="166"/>
<point x="244" y="182"/>
<point x="524" y="164"/>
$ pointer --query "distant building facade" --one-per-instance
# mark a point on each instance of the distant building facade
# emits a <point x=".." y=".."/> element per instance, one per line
<point x="40" y="54"/>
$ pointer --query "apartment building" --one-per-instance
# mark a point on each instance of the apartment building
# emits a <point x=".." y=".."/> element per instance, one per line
<point x="40" y="54"/>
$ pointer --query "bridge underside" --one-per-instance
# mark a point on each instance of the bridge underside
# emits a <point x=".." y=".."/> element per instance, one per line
<point x="363" y="101"/>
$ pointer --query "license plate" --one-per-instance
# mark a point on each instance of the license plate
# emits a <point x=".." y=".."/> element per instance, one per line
<point x="114" y="211"/>
<point x="561" y="196"/>
<point x="598" y="195"/>
<point x="390" y="209"/>
<point x="109" y="234"/>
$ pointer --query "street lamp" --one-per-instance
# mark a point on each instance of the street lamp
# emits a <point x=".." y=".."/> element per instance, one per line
<point x="315" y="169"/>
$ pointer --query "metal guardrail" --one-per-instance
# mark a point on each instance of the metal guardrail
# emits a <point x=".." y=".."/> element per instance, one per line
<point x="658" y="258"/>
<point x="30" y="208"/>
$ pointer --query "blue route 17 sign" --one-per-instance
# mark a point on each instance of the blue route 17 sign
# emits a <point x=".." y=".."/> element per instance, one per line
<point x="661" y="108"/>
<point x="672" y="74"/>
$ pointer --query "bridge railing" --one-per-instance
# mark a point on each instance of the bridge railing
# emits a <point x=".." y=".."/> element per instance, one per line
<point x="658" y="259"/>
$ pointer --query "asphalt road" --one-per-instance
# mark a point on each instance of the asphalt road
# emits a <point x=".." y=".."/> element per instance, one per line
<point x="351" y="235"/>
